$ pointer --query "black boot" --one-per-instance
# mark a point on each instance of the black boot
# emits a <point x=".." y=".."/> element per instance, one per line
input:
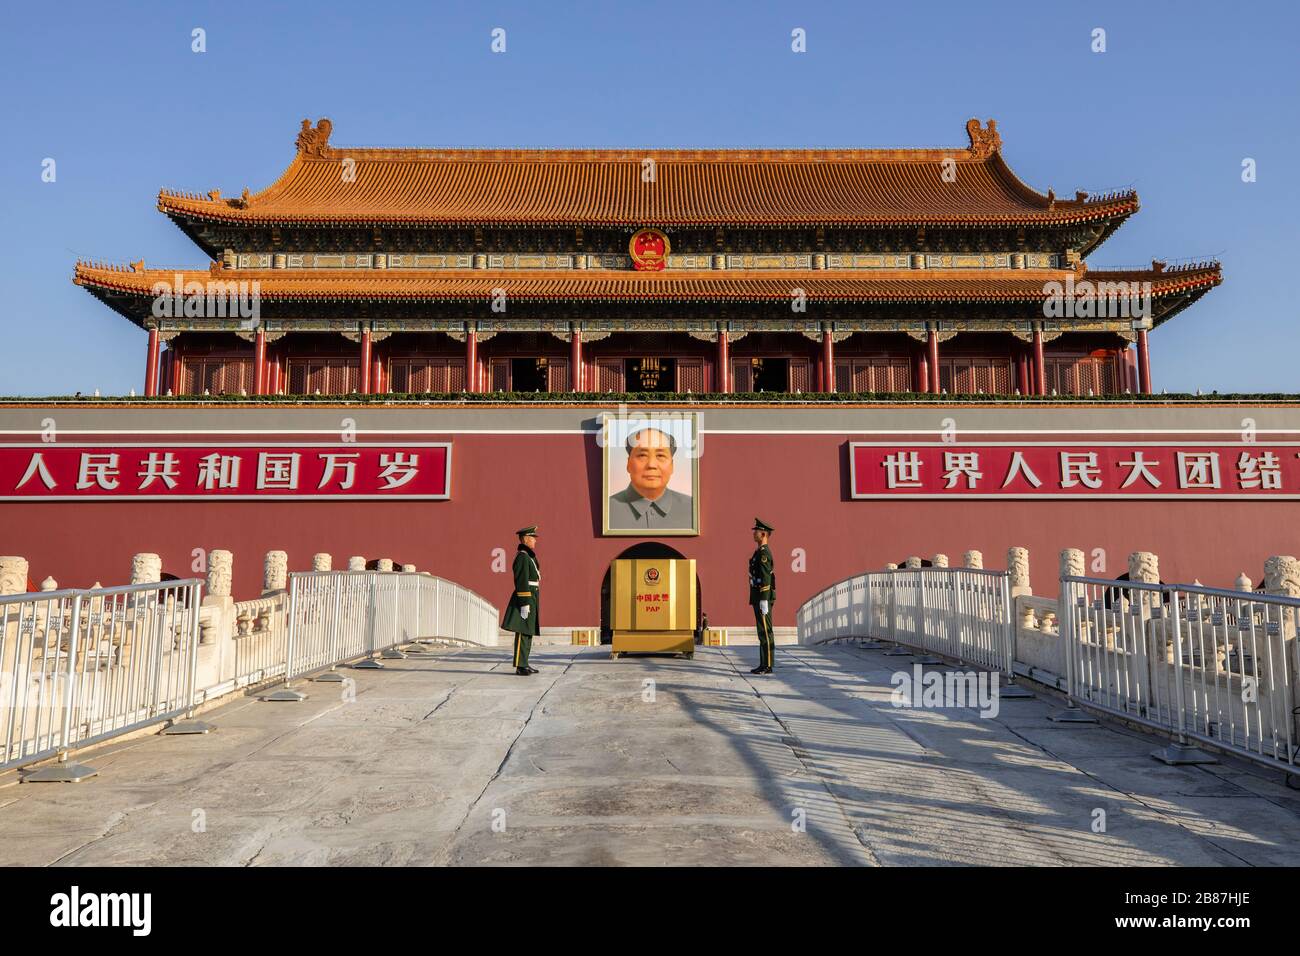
<point x="523" y="671"/>
<point x="532" y="670"/>
<point x="758" y="670"/>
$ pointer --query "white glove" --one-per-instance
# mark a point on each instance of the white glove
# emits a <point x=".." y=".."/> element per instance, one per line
<point x="762" y="607"/>
<point x="523" y="612"/>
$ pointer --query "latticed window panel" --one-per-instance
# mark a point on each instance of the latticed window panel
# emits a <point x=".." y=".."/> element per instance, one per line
<point x="1082" y="375"/>
<point x="334" y="376"/>
<point x="500" y="375"/>
<point x="557" y="375"/>
<point x="742" y="376"/>
<point x="873" y="375"/>
<point x="976" y="376"/>
<point x="419" y="376"/>
<point x="690" y="375"/>
<point x="215" y="376"/>
<point x="610" y="375"/>
<point x="800" y="373"/>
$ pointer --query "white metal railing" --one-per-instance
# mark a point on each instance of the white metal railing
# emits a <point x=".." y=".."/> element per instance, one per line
<point x="80" y="666"/>
<point x="960" y="613"/>
<point x="341" y="616"/>
<point x="261" y="633"/>
<point x="1202" y="664"/>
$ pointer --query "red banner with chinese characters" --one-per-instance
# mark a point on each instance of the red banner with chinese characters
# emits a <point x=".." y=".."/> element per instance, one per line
<point x="61" y="472"/>
<point x="1074" y="470"/>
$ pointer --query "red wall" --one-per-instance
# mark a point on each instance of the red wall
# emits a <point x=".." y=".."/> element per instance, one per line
<point x="796" y="482"/>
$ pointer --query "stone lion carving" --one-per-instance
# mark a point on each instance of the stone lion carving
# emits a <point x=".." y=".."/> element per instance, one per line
<point x="220" y="572"/>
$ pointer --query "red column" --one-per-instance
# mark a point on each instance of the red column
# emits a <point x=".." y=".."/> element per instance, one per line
<point x="575" y="360"/>
<point x="259" y="362"/>
<point x="365" y="361"/>
<point x="1144" y="363"/>
<point x="921" y="371"/>
<point x="932" y="347"/>
<point x="1040" y="366"/>
<point x="471" y="360"/>
<point x="274" y="365"/>
<point x="828" y="361"/>
<point x="378" y="380"/>
<point x="177" y="370"/>
<point x="151" y="365"/>
<point x="723" y="383"/>
<point x="1022" y="371"/>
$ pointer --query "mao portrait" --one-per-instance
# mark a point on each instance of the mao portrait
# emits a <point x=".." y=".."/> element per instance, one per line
<point x="651" y="476"/>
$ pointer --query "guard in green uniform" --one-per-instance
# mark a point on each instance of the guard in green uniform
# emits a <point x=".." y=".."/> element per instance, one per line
<point x="522" y="610"/>
<point x="762" y="595"/>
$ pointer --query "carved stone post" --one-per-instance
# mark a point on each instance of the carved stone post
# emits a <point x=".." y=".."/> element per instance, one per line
<point x="276" y="576"/>
<point x="939" y="561"/>
<point x="322" y="562"/>
<point x="891" y="566"/>
<point x="1072" y="566"/>
<point x="1282" y="577"/>
<point x="356" y="563"/>
<point x="13" y="574"/>
<point x="146" y="569"/>
<point x="973" y="559"/>
<point x="1018" y="569"/>
<point x="220" y="572"/>
<point x="408" y="568"/>
<point x="385" y="564"/>
<point x="1144" y="566"/>
<point x="215" y="614"/>
<point x="1018" y="584"/>
<point x="913" y="562"/>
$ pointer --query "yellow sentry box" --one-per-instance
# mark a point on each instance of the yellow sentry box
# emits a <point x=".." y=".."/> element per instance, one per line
<point x="652" y="606"/>
<point x="586" y="636"/>
<point x="715" y="637"/>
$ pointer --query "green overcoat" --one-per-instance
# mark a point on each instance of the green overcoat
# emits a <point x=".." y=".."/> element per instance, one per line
<point x="528" y="583"/>
<point x="762" y="577"/>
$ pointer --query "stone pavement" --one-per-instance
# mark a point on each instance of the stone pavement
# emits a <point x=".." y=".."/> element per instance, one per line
<point x="449" y="758"/>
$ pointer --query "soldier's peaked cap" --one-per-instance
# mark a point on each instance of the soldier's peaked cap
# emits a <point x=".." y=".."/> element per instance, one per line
<point x="761" y="525"/>
<point x="531" y="529"/>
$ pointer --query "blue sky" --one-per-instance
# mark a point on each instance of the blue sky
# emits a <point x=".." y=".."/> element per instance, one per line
<point x="1184" y="92"/>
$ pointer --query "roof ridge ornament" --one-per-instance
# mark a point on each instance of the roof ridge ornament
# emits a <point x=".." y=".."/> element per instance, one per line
<point x="984" y="142"/>
<point x="314" y="142"/>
